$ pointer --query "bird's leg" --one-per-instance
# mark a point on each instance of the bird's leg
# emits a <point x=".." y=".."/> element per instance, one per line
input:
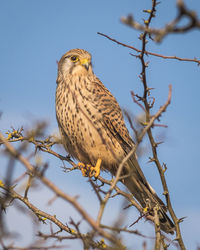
<point x="97" y="168"/>
<point x="89" y="170"/>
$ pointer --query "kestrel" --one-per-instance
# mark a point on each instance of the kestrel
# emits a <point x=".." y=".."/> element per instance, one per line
<point x="93" y="130"/>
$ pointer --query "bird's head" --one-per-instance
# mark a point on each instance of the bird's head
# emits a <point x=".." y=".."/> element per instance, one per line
<point x="75" y="61"/>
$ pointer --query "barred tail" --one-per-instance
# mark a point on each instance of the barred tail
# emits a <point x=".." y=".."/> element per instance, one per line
<point x="147" y="197"/>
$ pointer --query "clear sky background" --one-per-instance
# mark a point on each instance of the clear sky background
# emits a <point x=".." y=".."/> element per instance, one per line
<point x="35" y="34"/>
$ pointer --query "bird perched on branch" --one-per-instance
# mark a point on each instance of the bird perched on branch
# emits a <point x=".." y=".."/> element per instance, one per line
<point x="93" y="129"/>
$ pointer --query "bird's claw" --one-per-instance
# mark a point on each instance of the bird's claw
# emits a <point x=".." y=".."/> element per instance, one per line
<point x="89" y="170"/>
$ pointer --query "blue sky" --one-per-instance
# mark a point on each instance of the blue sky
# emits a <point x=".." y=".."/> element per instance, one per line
<point x="35" y="34"/>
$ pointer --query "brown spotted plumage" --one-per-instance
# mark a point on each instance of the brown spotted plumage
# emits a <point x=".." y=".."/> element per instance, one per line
<point x="92" y="127"/>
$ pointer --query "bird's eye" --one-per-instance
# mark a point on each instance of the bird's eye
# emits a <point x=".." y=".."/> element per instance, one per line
<point x="74" y="58"/>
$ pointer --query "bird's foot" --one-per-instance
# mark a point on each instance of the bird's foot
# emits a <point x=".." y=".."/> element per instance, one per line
<point x="146" y="210"/>
<point x="148" y="206"/>
<point x="89" y="170"/>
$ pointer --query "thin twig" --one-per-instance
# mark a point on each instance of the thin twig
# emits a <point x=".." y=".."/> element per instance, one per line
<point x="157" y="228"/>
<point x="150" y="53"/>
<point x="149" y="132"/>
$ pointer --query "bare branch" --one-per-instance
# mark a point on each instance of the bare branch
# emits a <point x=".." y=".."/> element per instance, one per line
<point x="151" y="53"/>
<point x="172" y="27"/>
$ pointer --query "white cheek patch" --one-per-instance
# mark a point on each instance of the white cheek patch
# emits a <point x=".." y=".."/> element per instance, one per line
<point x="67" y="66"/>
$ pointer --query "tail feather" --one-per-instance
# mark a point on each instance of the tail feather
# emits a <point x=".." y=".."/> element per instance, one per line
<point x="145" y="194"/>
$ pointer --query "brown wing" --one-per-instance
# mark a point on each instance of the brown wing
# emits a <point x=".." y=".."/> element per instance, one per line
<point x="112" y="116"/>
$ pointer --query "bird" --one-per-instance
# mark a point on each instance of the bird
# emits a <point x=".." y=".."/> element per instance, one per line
<point x="93" y="130"/>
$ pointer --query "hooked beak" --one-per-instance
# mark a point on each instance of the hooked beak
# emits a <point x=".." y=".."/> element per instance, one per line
<point x="85" y="62"/>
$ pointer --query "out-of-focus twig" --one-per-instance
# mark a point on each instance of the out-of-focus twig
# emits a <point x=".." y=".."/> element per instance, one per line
<point x="42" y="145"/>
<point x="58" y="191"/>
<point x="173" y="27"/>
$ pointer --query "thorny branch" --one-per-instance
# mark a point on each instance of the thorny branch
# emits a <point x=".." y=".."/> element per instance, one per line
<point x="153" y="144"/>
<point x="150" y="53"/>
<point x="157" y="229"/>
<point x="144" y="99"/>
<point x="172" y="27"/>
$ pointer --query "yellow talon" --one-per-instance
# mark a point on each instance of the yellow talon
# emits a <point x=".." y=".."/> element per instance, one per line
<point x="88" y="170"/>
<point x="97" y="168"/>
<point x="82" y="166"/>
<point x="146" y="209"/>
